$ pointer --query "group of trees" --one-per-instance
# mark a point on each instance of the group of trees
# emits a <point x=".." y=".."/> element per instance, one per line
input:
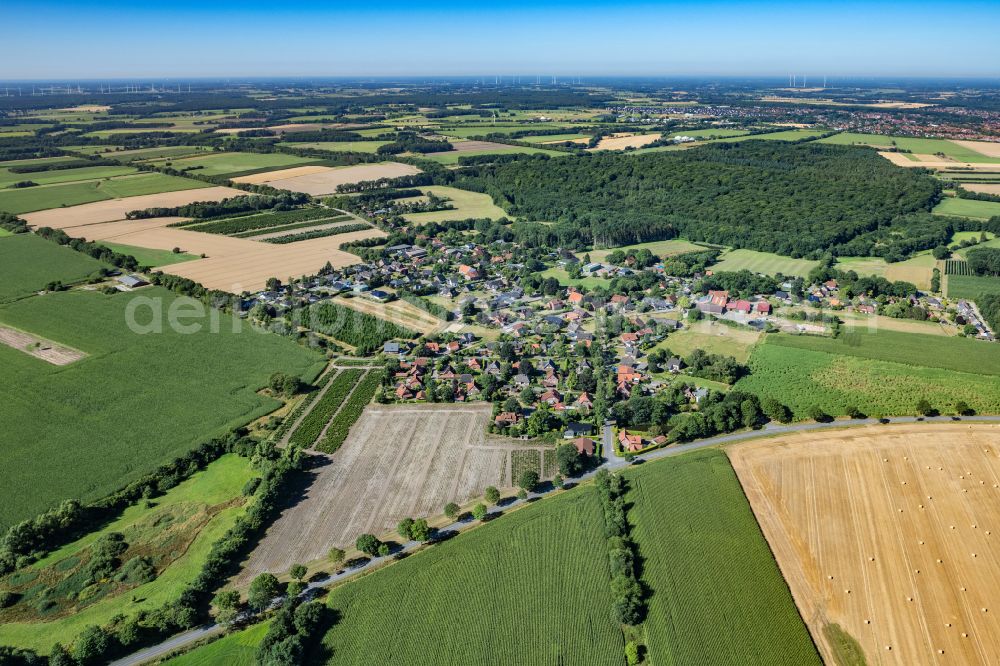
<point x="205" y="210"/>
<point x="771" y="196"/>
<point x="628" y="605"/>
<point x="720" y="413"/>
<point x="984" y="261"/>
<point x="410" y="142"/>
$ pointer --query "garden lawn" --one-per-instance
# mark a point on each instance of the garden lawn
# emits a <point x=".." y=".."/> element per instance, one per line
<point x="717" y="593"/>
<point x="29" y="262"/>
<point x="208" y="491"/>
<point x="134" y="402"/>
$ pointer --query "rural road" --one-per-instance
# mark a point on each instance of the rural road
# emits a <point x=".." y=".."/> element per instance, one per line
<point x="610" y="462"/>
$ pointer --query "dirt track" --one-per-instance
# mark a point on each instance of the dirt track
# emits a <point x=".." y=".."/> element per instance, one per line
<point x="41" y="348"/>
<point x="888" y="531"/>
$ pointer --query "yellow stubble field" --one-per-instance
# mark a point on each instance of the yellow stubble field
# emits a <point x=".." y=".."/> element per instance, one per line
<point x="888" y="533"/>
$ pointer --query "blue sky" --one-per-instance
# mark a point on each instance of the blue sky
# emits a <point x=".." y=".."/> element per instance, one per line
<point x="155" y="38"/>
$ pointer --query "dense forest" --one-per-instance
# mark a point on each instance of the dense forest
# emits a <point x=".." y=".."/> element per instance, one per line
<point x="794" y="199"/>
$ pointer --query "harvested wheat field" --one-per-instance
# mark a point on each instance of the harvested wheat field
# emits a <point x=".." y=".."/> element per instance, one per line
<point x="279" y="174"/>
<point x="983" y="188"/>
<point x="988" y="148"/>
<point x="933" y="162"/>
<point x="887" y="533"/>
<point x="621" y="142"/>
<point x="115" y="209"/>
<point x="399" y="312"/>
<point x="46" y="350"/>
<point x="231" y="264"/>
<point x="324" y="180"/>
<point x="247" y="266"/>
<point x="399" y="461"/>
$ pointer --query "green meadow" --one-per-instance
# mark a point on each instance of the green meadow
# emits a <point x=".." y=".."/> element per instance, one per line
<point x="30" y="199"/>
<point x="29" y="262"/>
<point x="763" y="262"/>
<point x="982" y="210"/>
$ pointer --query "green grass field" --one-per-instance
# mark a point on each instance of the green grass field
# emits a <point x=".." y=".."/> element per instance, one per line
<point x="971" y="286"/>
<point x="713" y="338"/>
<point x="559" y="273"/>
<point x="485" y="127"/>
<point x="7" y="177"/>
<point x="102" y="426"/>
<point x="224" y="163"/>
<point x="235" y="649"/>
<point x="148" y="257"/>
<point x="547" y="138"/>
<point x="763" y="262"/>
<point x="176" y="532"/>
<point x="466" y="205"/>
<point x="967" y="208"/>
<point x="341" y="146"/>
<point x="948" y="353"/>
<point x="665" y="248"/>
<point x="717" y="594"/>
<point x="801" y="378"/>
<point x="4" y="233"/>
<point x="71" y="194"/>
<point x="154" y="153"/>
<point x="913" y="144"/>
<point x="917" y="269"/>
<point x="531" y="588"/>
<point x="29" y="262"/>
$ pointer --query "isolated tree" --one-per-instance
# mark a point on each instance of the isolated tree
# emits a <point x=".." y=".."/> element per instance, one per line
<point x="569" y="459"/>
<point x="816" y="413"/>
<point x="336" y="556"/>
<point x="557" y="481"/>
<point x="775" y="410"/>
<point x="924" y="407"/>
<point x="522" y="494"/>
<point x="368" y="544"/>
<point x="383" y="550"/>
<point x="853" y="412"/>
<point x="962" y="408"/>
<point x="492" y="495"/>
<point x="479" y="512"/>
<point x="528" y="480"/>
<point x="420" y="530"/>
<point x="631" y="653"/>
<point x="451" y="510"/>
<point x="295" y="588"/>
<point x="404" y="527"/>
<point x="91" y="646"/>
<point x="298" y="571"/>
<point x="227" y="606"/>
<point x="263" y="590"/>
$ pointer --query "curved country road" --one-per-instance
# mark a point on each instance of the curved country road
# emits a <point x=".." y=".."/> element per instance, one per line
<point x="611" y="462"/>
